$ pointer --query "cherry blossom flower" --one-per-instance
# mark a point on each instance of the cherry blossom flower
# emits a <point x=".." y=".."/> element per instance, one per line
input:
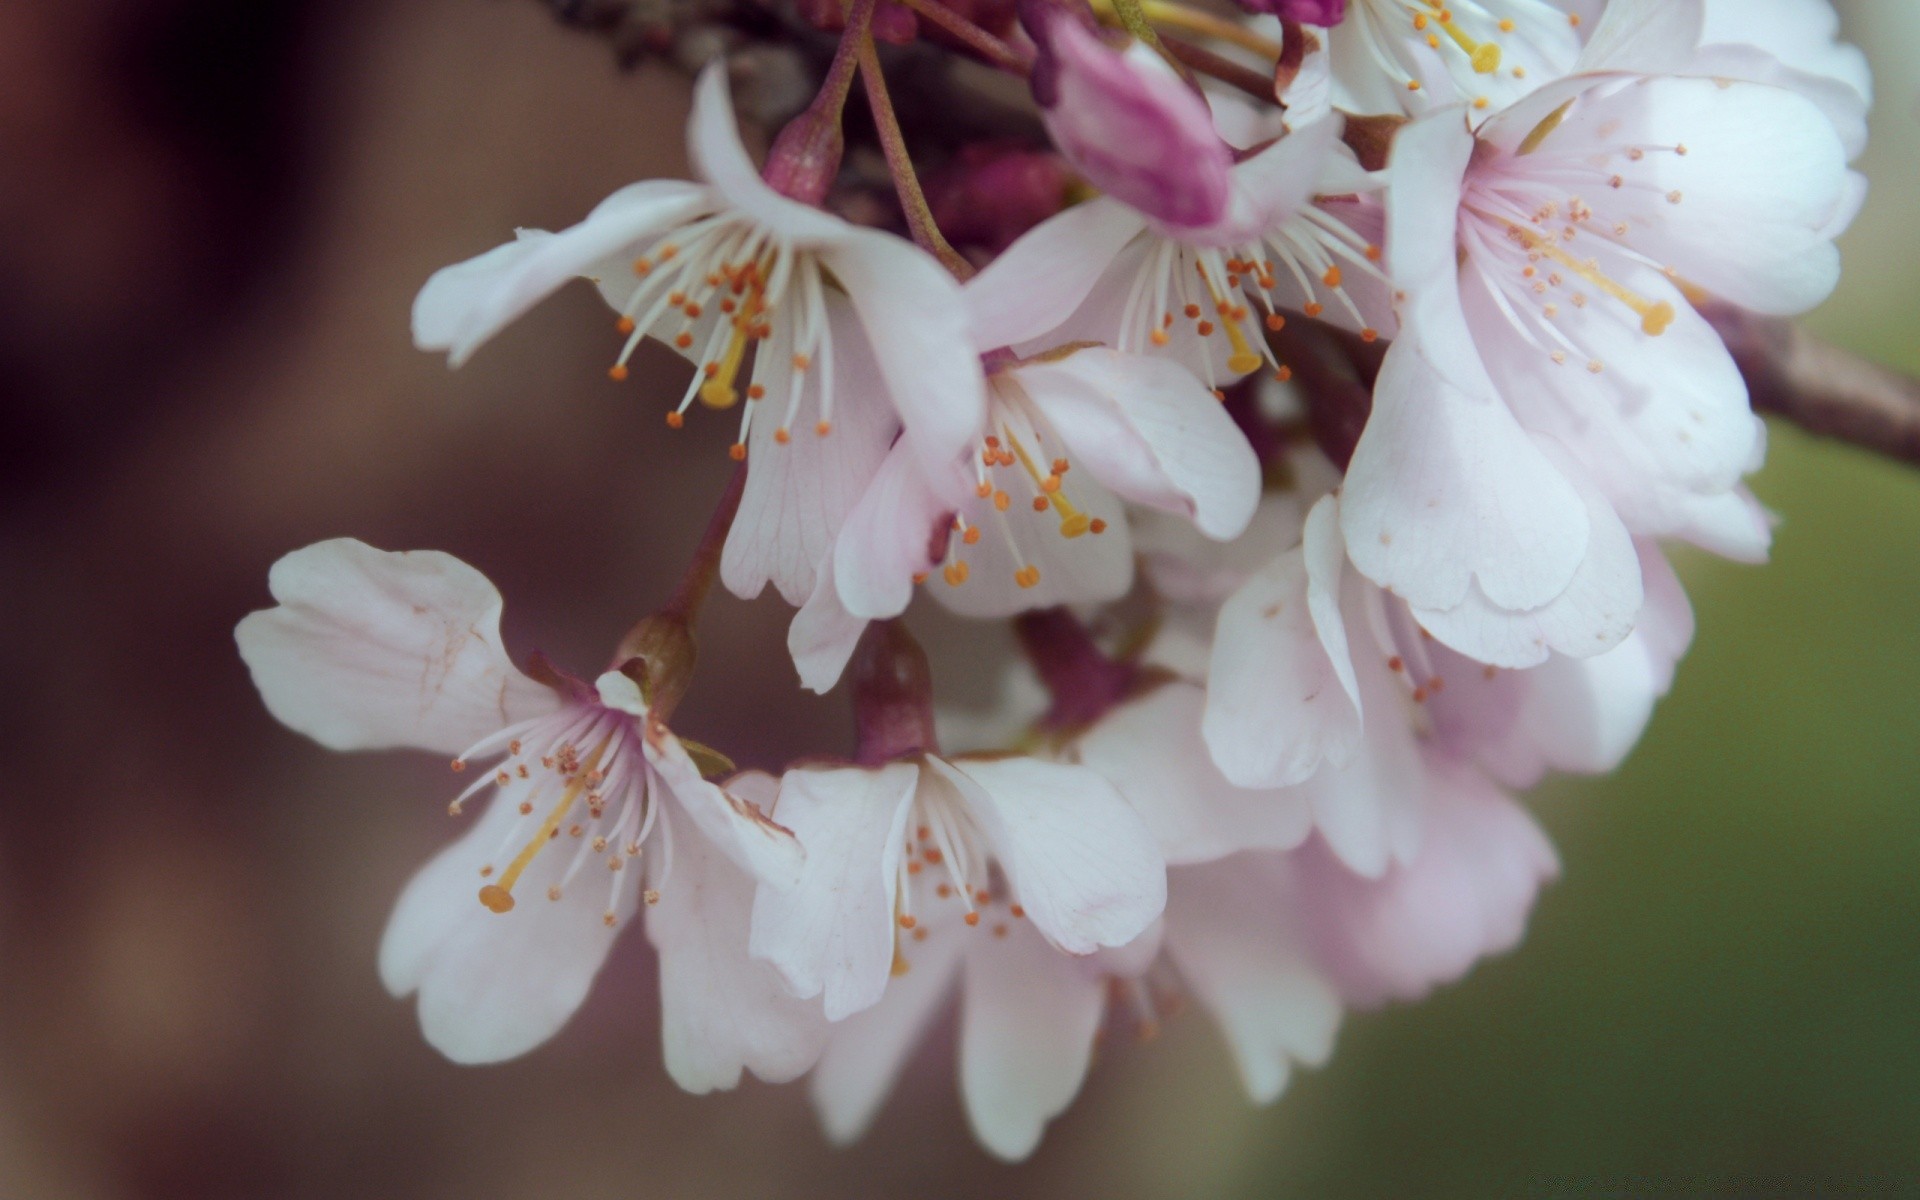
<point x="592" y="807"/>
<point x="1552" y="378"/>
<point x="828" y="338"/>
<point x="1070" y="435"/>
<point x="1147" y="269"/>
<point x="1390" y="55"/>
<point x="928" y="838"/>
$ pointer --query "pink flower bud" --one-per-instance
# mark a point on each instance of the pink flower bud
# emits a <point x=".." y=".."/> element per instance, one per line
<point x="1127" y="123"/>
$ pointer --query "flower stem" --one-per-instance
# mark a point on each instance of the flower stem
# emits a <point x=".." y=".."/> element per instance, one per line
<point x="697" y="581"/>
<point x="893" y="143"/>
<point x="995" y="50"/>
<point x="1223" y="69"/>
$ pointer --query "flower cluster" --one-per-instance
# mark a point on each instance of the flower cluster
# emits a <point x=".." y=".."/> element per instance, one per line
<point x="1319" y="439"/>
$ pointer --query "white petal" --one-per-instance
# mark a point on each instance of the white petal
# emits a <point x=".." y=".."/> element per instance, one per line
<point x="1027" y="1021"/>
<point x="898" y="530"/>
<point x="753" y="840"/>
<point x="1233" y="932"/>
<point x="1150" y="749"/>
<point x="1281" y="692"/>
<point x="1649" y="37"/>
<point x="1368" y="808"/>
<point x="714" y="146"/>
<point x="832" y="934"/>
<point x="495" y="985"/>
<point x="798" y="494"/>
<point x="1040" y="280"/>
<point x="869" y="1049"/>
<point x="1758" y="187"/>
<point x="1088" y="569"/>
<point x="917" y="324"/>
<point x="371" y="649"/>
<point x="463" y="305"/>
<point x="721" y="1011"/>
<point x="1079" y="859"/>
<point x="1591" y="617"/>
<point x="1148" y="429"/>
<point x="823" y="636"/>
<point x="1447" y="494"/>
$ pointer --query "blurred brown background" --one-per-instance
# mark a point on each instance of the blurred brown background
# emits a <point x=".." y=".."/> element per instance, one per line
<point x="213" y="217"/>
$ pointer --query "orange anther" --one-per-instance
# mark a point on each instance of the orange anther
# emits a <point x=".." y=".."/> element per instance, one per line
<point x="1039" y="504"/>
<point x="617" y="372"/>
<point x="973" y="918"/>
<point x="683" y="340"/>
<point x="1097" y="526"/>
<point x="782" y="436"/>
<point x="624" y="324"/>
<point x="756" y="392"/>
<point x="675" y="420"/>
<point x="737" y="452"/>
<point x="823" y="428"/>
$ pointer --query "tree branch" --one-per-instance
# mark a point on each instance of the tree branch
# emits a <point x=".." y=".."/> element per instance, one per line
<point x="1823" y="389"/>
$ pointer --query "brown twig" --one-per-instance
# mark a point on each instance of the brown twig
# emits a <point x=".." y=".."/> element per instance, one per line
<point x="1823" y="389"/>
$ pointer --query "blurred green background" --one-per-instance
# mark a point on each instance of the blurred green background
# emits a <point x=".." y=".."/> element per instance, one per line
<point x="220" y="212"/>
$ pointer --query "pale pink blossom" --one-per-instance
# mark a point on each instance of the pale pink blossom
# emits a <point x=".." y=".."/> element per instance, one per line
<point x="1395" y="55"/>
<point x="829" y="340"/>
<point x="925" y="839"/>
<point x="1552" y="380"/>
<point x="1465" y="896"/>
<point x="592" y="808"/>
<point x="1070" y="436"/>
<point x="1152" y="280"/>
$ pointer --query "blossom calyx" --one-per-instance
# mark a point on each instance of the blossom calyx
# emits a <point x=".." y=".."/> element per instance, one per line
<point x="658" y="654"/>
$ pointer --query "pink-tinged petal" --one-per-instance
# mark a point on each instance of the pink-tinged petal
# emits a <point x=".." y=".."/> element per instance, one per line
<point x="832" y="934"/>
<point x="823" y="636"/>
<point x="1132" y="127"/>
<point x="1233" y="931"/>
<point x="761" y="847"/>
<point x="1272" y="185"/>
<point x="869" y="1049"/>
<point x="1466" y="896"/>
<point x="1793" y="44"/>
<point x="495" y="985"/>
<point x="1447" y="495"/>
<point x="1845" y="106"/>
<point x="1746" y="212"/>
<point x="1425" y="172"/>
<point x="1079" y="859"/>
<point x="1028" y="1017"/>
<point x="1593" y="615"/>
<point x="720" y="158"/>
<point x="1282" y="697"/>
<point x="800" y="491"/>
<point x="1644" y="415"/>
<point x="464" y="305"/>
<point x="1150" y="749"/>
<point x="897" y="531"/>
<point x="371" y="649"/>
<point x="1149" y="430"/>
<point x="1091" y="568"/>
<point x="1368" y="807"/>
<point x="1586" y="715"/>
<point x="1646" y="37"/>
<point x="721" y="1012"/>
<point x="1042" y="279"/>
<point x="917" y="325"/>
